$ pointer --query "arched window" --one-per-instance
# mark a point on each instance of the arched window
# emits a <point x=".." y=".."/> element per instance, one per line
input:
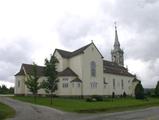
<point x="122" y="84"/>
<point x="93" y="69"/>
<point x="113" y="83"/>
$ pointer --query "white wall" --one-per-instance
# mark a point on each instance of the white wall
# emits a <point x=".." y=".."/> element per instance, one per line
<point x="21" y="88"/>
<point x="63" y="63"/>
<point x="75" y="63"/>
<point x="70" y="90"/>
<point x="91" y="54"/>
<point x="128" y="85"/>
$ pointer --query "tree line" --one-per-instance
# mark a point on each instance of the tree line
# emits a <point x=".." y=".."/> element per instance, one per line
<point x="5" y="90"/>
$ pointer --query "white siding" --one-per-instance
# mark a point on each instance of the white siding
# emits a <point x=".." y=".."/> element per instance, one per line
<point x="75" y="63"/>
<point x="63" y="63"/>
<point x="127" y="84"/>
<point x="91" y="54"/>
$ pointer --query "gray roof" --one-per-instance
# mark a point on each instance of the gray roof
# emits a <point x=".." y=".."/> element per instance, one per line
<point x="41" y="71"/>
<point x="76" y="80"/>
<point x="29" y="70"/>
<point x="136" y="80"/>
<point x="67" y="72"/>
<point x="67" y="54"/>
<point x="114" y="68"/>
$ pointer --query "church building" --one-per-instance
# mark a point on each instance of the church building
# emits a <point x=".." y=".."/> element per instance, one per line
<point x="85" y="72"/>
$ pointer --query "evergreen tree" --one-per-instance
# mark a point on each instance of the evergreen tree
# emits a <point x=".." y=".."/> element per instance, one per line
<point x="157" y="89"/>
<point x="32" y="81"/>
<point x="50" y="85"/>
<point x="4" y="89"/>
<point x="139" y="91"/>
<point x="124" y="94"/>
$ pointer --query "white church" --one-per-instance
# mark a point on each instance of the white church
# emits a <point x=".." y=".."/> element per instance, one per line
<point x="84" y="72"/>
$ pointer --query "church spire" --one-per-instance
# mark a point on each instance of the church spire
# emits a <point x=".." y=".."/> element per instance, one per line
<point x="116" y="43"/>
<point x="117" y="53"/>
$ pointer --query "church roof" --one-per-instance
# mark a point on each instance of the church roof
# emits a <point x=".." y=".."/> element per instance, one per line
<point x="67" y="72"/>
<point x="67" y="54"/>
<point x="136" y="80"/>
<point x="114" y="68"/>
<point x="29" y="70"/>
<point x="76" y="80"/>
<point x="41" y="71"/>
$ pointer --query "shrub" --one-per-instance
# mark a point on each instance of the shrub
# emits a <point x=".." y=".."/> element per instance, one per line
<point x="97" y="97"/>
<point x="124" y="94"/>
<point x="113" y="95"/>
<point x="94" y="98"/>
<point x="157" y="89"/>
<point x="139" y="91"/>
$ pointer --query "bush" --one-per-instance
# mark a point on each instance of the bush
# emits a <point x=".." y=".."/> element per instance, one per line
<point x="113" y="95"/>
<point x="124" y="94"/>
<point x="97" y="97"/>
<point x="94" y="98"/>
<point x="157" y="89"/>
<point x="89" y="99"/>
<point x="139" y="91"/>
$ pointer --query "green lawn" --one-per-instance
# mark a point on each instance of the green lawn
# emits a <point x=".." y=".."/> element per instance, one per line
<point x="6" y="111"/>
<point x="79" y="105"/>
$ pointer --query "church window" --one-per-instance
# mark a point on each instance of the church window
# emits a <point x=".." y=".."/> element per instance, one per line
<point x="93" y="69"/>
<point x="78" y="85"/>
<point x="113" y="83"/>
<point x="18" y="83"/>
<point x="65" y="85"/>
<point x="122" y="84"/>
<point x="65" y="79"/>
<point x="93" y="85"/>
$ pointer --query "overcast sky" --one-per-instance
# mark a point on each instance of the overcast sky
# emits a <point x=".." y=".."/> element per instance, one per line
<point x="30" y="31"/>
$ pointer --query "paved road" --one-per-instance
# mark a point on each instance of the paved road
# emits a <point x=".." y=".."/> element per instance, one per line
<point x="27" y="111"/>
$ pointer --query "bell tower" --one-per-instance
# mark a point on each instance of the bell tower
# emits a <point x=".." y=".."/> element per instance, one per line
<point x="117" y="53"/>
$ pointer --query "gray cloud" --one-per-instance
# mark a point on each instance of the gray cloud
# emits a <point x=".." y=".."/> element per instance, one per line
<point x="141" y="19"/>
<point x="12" y="56"/>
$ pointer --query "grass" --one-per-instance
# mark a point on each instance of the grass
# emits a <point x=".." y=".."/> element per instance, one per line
<point x="80" y="105"/>
<point x="6" y="111"/>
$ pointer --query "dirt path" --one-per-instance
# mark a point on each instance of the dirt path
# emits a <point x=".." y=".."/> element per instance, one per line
<point x="27" y="111"/>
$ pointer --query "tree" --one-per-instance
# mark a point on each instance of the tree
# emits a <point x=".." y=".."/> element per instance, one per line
<point x="50" y="84"/>
<point x="157" y="89"/>
<point x="113" y="95"/>
<point x="124" y="94"/>
<point x="4" y="89"/>
<point x="11" y="90"/>
<point x="139" y="91"/>
<point x="32" y="81"/>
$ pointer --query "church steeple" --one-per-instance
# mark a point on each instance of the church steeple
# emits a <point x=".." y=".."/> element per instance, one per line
<point x="116" y="43"/>
<point x="117" y="53"/>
